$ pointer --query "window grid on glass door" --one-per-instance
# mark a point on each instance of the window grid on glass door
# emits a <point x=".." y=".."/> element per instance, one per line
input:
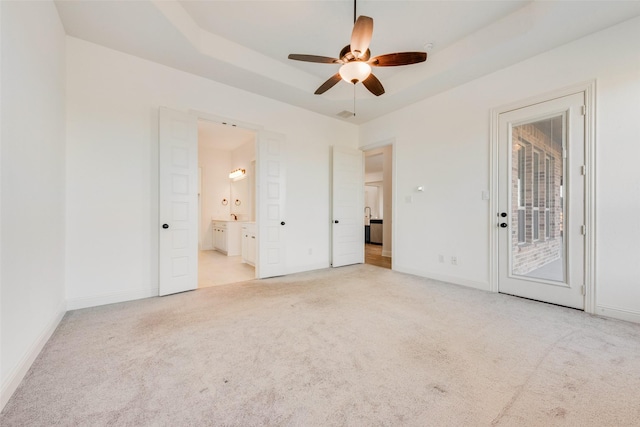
<point x="548" y="188"/>
<point x="536" y="197"/>
<point x="522" y="162"/>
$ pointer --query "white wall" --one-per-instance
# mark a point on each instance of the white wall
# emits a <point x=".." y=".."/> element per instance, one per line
<point x="33" y="184"/>
<point x="112" y="168"/>
<point x="372" y="199"/>
<point x="387" y="201"/>
<point x="241" y="158"/>
<point x="215" y="164"/>
<point x="443" y="143"/>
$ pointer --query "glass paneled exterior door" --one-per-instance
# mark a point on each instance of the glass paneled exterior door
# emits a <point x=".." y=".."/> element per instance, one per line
<point x="541" y="201"/>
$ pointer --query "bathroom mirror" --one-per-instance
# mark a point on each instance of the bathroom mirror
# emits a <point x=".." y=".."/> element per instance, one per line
<point x="239" y="196"/>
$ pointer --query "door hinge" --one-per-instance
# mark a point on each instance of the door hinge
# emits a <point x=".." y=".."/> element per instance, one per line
<point x="583" y="170"/>
<point x="583" y="290"/>
<point x="564" y="153"/>
<point x="583" y="230"/>
<point x="584" y="110"/>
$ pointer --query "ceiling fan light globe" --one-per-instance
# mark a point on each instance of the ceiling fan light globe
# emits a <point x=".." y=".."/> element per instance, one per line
<point x="355" y="71"/>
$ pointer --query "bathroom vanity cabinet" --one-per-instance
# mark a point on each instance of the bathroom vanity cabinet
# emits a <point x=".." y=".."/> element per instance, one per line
<point x="227" y="237"/>
<point x="249" y="243"/>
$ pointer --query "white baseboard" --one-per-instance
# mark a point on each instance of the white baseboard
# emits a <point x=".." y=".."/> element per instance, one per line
<point x="484" y="286"/>
<point x="20" y="370"/>
<point x="110" y="298"/>
<point x="309" y="267"/>
<point x="618" y="313"/>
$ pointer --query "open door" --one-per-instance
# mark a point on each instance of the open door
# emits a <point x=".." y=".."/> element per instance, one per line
<point x="271" y="221"/>
<point x="347" y="191"/>
<point x="178" y="170"/>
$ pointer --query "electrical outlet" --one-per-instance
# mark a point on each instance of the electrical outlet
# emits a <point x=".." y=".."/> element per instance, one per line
<point x="440" y="258"/>
<point x="454" y="260"/>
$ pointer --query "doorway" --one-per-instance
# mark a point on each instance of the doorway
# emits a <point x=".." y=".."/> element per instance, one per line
<point x="226" y="204"/>
<point x="541" y="201"/>
<point x="179" y="203"/>
<point x="378" y="206"/>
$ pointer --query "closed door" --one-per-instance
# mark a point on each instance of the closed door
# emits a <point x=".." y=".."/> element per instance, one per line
<point x="272" y="223"/>
<point x="541" y="218"/>
<point x="347" y="226"/>
<point x="178" y="167"/>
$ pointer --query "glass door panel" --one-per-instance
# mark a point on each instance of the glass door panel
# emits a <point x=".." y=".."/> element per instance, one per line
<point x="537" y="208"/>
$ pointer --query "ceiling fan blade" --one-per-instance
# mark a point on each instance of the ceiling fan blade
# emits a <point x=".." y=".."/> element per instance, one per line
<point x="361" y="36"/>
<point x="314" y="58"/>
<point x="373" y="84"/>
<point x="328" y="84"/>
<point x="399" y="58"/>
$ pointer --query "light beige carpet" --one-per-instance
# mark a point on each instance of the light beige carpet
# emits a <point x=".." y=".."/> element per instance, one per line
<point x="356" y="346"/>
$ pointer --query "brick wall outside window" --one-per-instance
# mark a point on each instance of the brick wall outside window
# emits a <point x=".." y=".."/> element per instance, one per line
<point x="530" y="253"/>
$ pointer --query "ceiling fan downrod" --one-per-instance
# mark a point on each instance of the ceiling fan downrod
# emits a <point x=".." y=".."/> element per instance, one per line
<point x="354" y="11"/>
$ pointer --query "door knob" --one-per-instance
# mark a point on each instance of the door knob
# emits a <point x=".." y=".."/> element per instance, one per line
<point x="282" y="223"/>
<point x="165" y="225"/>
<point x="503" y="225"/>
<point x="336" y="221"/>
<point x="503" y="214"/>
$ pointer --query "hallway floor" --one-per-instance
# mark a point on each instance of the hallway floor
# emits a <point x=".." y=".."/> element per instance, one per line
<point x="215" y="268"/>
<point x="373" y="256"/>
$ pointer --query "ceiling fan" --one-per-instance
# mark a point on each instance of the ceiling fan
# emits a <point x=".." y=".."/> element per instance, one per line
<point x="356" y="60"/>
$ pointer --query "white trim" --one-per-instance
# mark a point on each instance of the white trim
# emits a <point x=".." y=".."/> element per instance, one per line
<point x="111" y="298"/>
<point x="16" y="376"/>
<point x="493" y="197"/>
<point x="589" y="90"/>
<point x="308" y="267"/>
<point x="590" y="197"/>
<point x="617" y="313"/>
<point x="483" y="286"/>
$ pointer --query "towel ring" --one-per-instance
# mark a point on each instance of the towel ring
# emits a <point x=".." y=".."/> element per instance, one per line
<point x="238" y="202"/>
<point x="225" y="202"/>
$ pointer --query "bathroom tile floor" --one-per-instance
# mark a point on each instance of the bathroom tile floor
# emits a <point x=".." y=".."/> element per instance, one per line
<point x="215" y="268"/>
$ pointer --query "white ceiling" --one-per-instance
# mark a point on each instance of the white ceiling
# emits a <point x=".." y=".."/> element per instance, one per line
<point x="245" y="43"/>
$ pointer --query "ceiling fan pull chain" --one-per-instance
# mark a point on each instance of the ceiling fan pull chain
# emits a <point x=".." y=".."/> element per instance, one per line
<point x="354" y="99"/>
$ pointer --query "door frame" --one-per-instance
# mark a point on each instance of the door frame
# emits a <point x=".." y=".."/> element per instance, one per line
<point x="215" y="119"/>
<point x="589" y="90"/>
<point x="394" y="188"/>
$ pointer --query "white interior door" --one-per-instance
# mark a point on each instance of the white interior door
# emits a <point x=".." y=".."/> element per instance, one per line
<point x="347" y="190"/>
<point x="178" y="170"/>
<point x="541" y="215"/>
<point x="271" y="224"/>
